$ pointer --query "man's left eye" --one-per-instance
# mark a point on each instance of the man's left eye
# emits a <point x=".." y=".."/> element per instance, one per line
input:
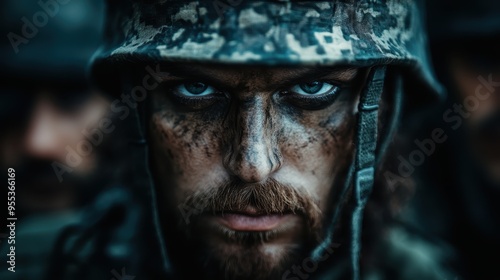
<point x="313" y="88"/>
<point x="195" y="89"/>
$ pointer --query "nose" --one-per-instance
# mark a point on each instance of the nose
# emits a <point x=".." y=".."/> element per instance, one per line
<point x="41" y="138"/>
<point x="253" y="154"/>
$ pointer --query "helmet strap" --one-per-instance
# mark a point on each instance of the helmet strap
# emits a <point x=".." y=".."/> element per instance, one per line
<point x="139" y="121"/>
<point x="363" y="166"/>
<point x="366" y="143"/>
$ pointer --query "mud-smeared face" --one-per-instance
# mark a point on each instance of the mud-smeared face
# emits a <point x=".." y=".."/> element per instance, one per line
<point x="247" y="158"/>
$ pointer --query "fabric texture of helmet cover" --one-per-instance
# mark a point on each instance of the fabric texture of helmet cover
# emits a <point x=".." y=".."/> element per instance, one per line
<point x="358" y="33"/>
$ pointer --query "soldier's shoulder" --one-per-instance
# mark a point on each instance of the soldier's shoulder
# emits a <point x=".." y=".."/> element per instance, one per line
<point x="408" y="255"/>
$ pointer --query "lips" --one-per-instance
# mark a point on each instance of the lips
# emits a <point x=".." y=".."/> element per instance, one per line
<point x="241" y="222"/>
<point x="251" y="220"/>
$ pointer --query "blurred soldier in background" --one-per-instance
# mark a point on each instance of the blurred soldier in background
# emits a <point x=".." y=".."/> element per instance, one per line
<point x="49" y="115"/>
<point x="47" y="106"/>
<point x="459" y="184"/>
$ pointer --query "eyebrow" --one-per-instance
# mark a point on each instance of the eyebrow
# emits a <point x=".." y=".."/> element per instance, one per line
<point x="341" y="74"/>
<point x="289" y="74"/>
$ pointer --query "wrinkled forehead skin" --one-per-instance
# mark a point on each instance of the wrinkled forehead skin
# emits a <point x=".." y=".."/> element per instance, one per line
<point x="268" y="32"/>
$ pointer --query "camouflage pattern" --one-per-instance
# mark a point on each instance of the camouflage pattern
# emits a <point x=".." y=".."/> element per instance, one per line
<point x="358" y="33"/>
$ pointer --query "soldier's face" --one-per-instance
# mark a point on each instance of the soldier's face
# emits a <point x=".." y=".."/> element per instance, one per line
<point x="47" y="122"/>
<point x="246" y="158"/>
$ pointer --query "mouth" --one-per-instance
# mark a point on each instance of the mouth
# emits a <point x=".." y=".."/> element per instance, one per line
<point x="232" y="228"/>
<point x="252" y="220"/>
<point x="245" y="222"/>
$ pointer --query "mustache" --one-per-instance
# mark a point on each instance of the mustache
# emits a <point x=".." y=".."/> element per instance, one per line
<point x="269" y="197"/>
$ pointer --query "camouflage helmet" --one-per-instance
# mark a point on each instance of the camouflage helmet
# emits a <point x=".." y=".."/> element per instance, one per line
<point x="360" y="33"/>
<point x="379" y="34"/>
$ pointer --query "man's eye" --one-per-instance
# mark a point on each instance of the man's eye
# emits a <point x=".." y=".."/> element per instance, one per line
<point x="313" y="95"/>
<point x="195" y="89"/>
<point x="313" y="88"/>
<point x="194" y="95"/>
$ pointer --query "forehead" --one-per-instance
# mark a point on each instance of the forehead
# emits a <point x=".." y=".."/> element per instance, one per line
<point x="270" y="74"/>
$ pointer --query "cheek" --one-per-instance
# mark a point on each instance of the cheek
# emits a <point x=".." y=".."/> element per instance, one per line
<point x="319" y="149"/>
<point x="185" y="151"/>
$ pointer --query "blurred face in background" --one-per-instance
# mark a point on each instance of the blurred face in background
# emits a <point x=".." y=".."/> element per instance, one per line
<point x="41" y="123"/>
<point x="475" y="74"/>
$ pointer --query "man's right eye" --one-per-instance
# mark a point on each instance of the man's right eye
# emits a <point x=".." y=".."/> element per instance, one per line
<point x="195" y="89"/>
<point x="194" y="95"/>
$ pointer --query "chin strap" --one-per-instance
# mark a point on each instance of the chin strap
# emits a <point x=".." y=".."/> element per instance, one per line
<point x="141" y="142"/>
<point x="363" y="166"/>
<point x="365" y="158"/>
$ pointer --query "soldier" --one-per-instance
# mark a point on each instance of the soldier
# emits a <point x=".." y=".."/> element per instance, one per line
<point x="47" y="110"/>
<point x="47" y="105"/>
<point x="260" y="127"/>
<point x="460" y="180"/>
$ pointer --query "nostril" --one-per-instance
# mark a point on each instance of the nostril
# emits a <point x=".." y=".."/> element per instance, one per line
<point x="249" y="167"/>
<point x="277" y="161"/>
<point x="253" y="173"/>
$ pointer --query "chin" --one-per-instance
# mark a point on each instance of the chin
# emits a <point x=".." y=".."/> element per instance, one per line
<point x="257" y="255"/>
<point x="257" y="262"/>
